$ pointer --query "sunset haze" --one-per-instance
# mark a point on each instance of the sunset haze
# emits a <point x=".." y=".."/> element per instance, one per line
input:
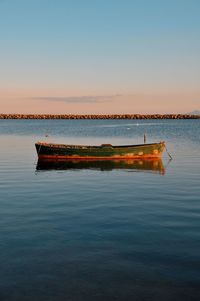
<point x="99" y="56"/>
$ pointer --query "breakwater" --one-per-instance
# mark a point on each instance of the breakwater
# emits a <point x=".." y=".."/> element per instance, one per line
<point x="95" y="116"/>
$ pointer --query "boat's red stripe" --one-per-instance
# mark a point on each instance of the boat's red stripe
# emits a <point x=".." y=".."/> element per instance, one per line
<point x="57" y="157"/>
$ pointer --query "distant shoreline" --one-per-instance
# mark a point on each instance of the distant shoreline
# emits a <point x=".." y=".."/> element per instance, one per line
<point x="102" y="116"/>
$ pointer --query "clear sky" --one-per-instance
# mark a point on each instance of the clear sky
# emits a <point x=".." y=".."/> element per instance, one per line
<point x="99" y="56"/>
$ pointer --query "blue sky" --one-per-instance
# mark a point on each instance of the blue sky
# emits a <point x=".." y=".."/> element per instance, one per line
<point x="142" y="55"/>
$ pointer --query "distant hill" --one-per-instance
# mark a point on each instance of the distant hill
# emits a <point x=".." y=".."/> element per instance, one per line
<point x="196" y="112"/>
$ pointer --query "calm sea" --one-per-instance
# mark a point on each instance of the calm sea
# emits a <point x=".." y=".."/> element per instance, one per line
<point x="99" y="232"/>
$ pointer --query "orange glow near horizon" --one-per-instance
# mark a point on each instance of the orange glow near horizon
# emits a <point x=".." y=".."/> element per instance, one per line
<point x="101" y="104"/>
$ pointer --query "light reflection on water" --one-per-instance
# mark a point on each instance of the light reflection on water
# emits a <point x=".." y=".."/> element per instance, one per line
<point x="144" y="165"/>
<point x="88" y="233"/>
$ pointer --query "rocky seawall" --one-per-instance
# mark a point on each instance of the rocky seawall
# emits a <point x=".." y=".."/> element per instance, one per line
<point x="114" y="116"/>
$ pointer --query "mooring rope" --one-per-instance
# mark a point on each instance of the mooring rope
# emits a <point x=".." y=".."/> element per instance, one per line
<point x="168" y="153"/>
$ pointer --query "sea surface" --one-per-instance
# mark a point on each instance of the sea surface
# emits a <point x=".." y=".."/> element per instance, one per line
<point x="99" y="232"/>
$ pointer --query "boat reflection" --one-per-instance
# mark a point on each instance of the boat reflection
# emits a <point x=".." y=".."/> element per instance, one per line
<point x="150" y="165"/>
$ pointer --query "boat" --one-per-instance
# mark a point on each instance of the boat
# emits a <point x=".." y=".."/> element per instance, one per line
<point x="102" y="152"/>
<point x="154" y="165"/>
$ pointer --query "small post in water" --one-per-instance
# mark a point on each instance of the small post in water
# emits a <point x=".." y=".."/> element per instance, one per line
<point x="145" y="138"/>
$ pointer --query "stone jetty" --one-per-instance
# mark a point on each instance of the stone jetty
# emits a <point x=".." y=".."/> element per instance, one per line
<point x="93" y="116"/>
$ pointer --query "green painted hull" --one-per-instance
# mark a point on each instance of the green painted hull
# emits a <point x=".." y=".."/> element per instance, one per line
<point x="105" y="151"/>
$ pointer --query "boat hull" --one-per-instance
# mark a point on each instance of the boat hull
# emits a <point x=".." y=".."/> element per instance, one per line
<point x="103" y="152"/>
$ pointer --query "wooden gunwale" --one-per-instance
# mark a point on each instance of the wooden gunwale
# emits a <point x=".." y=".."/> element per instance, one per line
<point x="54" y="145"/>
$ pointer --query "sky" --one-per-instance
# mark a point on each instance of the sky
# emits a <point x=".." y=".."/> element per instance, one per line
<point x="99" y="56"/>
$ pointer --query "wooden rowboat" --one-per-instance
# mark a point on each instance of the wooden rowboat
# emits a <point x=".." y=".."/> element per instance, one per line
<point x="103" y="152"/>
